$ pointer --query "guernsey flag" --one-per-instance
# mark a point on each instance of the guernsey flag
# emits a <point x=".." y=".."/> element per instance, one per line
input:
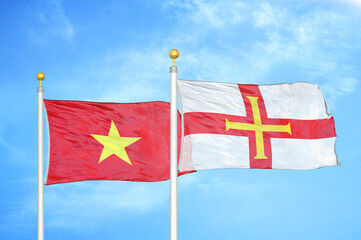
<point x="284" y="126"/>
<point x="108" y="141"/>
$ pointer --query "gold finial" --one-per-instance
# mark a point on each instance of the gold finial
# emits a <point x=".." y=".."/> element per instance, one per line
<point x="173" y="54"/>
<point x="40" y="76"/>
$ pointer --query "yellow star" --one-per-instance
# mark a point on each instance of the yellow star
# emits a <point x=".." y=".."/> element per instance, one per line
<point x="114" y="144"/>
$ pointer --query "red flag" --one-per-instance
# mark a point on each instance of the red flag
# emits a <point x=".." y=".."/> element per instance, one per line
<point x="108" y="141"/>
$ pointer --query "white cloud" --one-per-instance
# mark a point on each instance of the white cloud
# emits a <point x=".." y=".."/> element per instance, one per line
<point x="267" y="16"/>
<point x="348" y="85"/>
<point x="356" y="3"/>
<point x="84" y="204"/>
<point x="338" y="87"/>
<point x="132" y="75"/>
<point x="313" y="44"/>
<point x="135" y="75"/>
<point x="13" y="151"/>
<point x="305" y="41"/>
<point x="283" y="37"/>
<point x="210" y="14"/>
<point x="209" y="185"/>
<point x="52" y="22"/>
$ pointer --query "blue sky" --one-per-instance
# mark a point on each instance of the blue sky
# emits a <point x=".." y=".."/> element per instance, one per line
<point x="118" y="51"/>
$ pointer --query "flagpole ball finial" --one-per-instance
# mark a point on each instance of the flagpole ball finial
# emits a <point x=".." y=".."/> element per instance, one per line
<point x="40" y="76"/>
<point x="173" y="54"/>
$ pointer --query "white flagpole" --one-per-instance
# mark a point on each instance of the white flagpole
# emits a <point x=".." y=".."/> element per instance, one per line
<point x="40" y="76"/>
<point x="173" y="148"/>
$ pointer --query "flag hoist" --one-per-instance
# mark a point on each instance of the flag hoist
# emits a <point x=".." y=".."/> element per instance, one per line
<point x="40" y="76"/>
<point x="173" y="147"/>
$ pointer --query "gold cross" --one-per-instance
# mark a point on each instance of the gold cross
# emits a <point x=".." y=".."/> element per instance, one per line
<point x="258" y="127"/>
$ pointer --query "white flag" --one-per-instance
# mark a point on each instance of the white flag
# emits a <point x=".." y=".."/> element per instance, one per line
<point x="283" y="126"/>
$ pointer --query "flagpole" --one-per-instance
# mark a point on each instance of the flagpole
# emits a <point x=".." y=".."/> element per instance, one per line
<point x="173" y="147"/>
<point x="40" y="76"/>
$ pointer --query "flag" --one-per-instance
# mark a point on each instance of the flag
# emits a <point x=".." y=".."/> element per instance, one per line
<point x="108" y="141"/>
<point x="283" y="126"/>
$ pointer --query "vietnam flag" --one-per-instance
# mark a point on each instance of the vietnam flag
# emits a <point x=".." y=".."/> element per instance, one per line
<point x="282" y="126"/>
<point x="108" y="141"/>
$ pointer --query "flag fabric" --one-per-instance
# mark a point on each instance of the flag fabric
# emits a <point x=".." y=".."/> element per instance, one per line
<point x="108" y="141"/>
<point x="283" y="126"/>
